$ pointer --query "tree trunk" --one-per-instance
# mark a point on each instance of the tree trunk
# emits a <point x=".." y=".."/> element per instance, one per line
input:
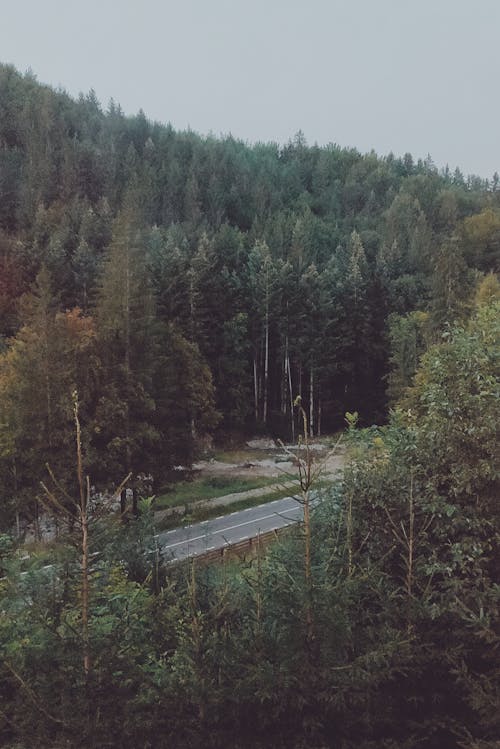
<point x="127" y="360"/>
<point x="305" y="475"/>
<point x="14" y="475"/>
<point x="255" y="390"/>
<point x="123" y="501"/>
<point x="85" y="594"/>
<point x="311" y="402"/>
<point x="292" y="418"/>
<point x="350" y="565"/>
<point x="38" y="533"/>
<point x="84" y="522"/>
<point x="284" y="386"/>
<point x="266" y="366"/>
<point x="411" y="541"/>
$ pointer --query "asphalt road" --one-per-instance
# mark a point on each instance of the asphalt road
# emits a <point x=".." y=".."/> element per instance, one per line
<point x="193" y="540"/>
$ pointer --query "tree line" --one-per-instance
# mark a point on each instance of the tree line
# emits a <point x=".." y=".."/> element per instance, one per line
<point x="377" y="625"/>
<point x="173" y="287"/>
<point x="188" y="286"/>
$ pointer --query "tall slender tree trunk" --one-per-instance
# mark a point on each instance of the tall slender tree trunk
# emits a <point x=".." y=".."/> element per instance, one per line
<point x="284" y="385"/>
<point x="192" y="307"/>
<point x="14" y="475"/>
<point x="292" y="417"/>
<point x="307" y="564"/>
<point x="255" y="389"/>
<point x="85" y="595"/>
<point x="127" y="360"/>
<point x="411" y="546"/>
<point x="266" y="365"/>
<point x="84" y="523"/>
<point x="305" y="478"/>
<point x="311" y="401"/>
<point x="38" y="530"/>
<point x="350" y="565"/>
<point x="48" y="389"/>
<point x="261" y="375"/>
<point x="123" y="501"/>
<point x="409" y="578"/>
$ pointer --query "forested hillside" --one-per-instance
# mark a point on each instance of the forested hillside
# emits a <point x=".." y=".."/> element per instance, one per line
<point x="189" y="286"/>
<point x="158" y="289"/>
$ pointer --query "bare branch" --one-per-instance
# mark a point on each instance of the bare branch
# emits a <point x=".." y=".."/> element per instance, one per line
<point x="55" y="502"/>
<point x="59" y="486"/>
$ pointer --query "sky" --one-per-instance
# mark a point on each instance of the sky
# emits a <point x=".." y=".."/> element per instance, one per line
<point x="418" y="76"/>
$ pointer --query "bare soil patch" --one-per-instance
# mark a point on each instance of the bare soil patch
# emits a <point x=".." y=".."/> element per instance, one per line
<point x="263" y="458"/>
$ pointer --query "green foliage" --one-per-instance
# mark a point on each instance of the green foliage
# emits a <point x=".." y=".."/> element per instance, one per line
<point x="427" y="492"/>
<point x="350" y="239"/>
<point x="480" y="238"/>
<point x="407" y="337"/>
<point x="351" y="419"/>
<point x="390" y="640"/>
<point x="225" y="282"/>
<point x="183" y="493"/>
<point x="452" y="286"/>
<point x="52" y="354"/>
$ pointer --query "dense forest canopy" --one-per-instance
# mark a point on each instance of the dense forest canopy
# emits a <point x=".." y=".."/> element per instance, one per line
<point x="131" y="254"/>
<point x="174" y="287"/>
<point x="387" y="636"/>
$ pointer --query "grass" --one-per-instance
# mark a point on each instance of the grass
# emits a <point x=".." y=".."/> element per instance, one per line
<point x="186" y="492"/>
<point x="207" y="513"/>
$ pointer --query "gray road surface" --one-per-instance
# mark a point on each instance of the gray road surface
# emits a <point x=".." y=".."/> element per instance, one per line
<point x="193" y="540"/>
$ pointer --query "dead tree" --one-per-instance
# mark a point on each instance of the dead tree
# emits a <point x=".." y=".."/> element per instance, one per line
<point x="79" y="516"/>
<point x="308" y="475"/>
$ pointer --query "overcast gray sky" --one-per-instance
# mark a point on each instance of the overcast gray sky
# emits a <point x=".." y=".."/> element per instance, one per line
<point x="392" y="75"/>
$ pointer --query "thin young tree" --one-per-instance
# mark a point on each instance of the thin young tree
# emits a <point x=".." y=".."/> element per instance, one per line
<point x="79" y="515"/>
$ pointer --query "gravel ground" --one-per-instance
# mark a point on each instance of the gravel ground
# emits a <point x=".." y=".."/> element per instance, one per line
<point x="270" y="461"/>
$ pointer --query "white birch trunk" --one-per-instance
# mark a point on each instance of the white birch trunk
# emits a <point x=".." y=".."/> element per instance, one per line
<point x="311" y="402"/>
<point x="291" y="398"/>
<point x="266" y="366"/>
<point x="255" y="390"/>
<point x="283" y="380"/>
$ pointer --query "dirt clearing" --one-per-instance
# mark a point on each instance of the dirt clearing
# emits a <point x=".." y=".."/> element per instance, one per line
<point x="264" y="458"/>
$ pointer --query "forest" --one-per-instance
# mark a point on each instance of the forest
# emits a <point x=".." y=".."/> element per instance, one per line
<point x="183" y="291"/>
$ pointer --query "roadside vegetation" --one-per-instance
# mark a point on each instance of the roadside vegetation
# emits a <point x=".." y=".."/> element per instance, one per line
<point x="198" y="514"/>
<point x="187" y="492"/>
<point x="376" y="625"/>
<point x="161" y="293"/>
<point x="190" y="288"/>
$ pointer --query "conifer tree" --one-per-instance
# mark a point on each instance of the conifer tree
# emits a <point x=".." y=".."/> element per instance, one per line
<point x="125" y="316"/>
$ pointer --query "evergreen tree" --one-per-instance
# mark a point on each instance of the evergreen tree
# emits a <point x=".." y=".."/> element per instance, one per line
<point x="125" y="315"/>
<point x="451" y="286"/>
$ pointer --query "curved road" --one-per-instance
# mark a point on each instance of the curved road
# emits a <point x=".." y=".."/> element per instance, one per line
<point x="193" y="540"/>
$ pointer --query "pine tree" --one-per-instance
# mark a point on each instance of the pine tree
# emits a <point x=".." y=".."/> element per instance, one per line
<point x="451" y="286"/>
<point x="125" y="316"/>
<point x="262" y="285"/>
